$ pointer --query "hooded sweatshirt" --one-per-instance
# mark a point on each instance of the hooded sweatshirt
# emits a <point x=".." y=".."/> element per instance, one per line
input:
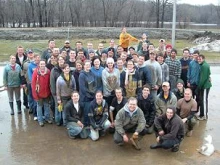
<point x="110" y="80"/>
<point x="88" y="86"/>
<point x="125" y="119"/>
<point x="161" y="103"/>
<point x="98" y="74"/>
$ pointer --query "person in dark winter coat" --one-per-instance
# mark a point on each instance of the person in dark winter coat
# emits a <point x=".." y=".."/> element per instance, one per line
<point x="146" y="104"/>
<point x="185" y="65"/>
<point x="55" y="73"/>
<point x="87" y="90"/>
<point x="20" y="58"/>
<point x="169" y="130"/>
<point x="74" y="117"/>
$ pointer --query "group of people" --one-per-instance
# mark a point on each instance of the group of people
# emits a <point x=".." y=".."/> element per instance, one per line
<point x="117" y="89"/>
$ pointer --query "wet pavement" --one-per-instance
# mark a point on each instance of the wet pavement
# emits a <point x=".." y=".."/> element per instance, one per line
<point x="23" y="141"/>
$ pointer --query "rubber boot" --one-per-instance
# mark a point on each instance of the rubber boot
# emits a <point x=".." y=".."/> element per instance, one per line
<point x="19" y="106"/>
<point x="12" y="108"/>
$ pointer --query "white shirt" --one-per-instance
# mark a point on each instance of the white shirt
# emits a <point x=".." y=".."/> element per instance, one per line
<point x="76" y="106"/>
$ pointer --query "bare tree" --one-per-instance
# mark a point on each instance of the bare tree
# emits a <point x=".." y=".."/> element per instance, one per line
<point x="40" y="14"/>
<point x="164" y="4"/>
<point x="116" y="11"/>
<point x="32" y="12"/>
<point x="105" y="6"/>
<point x="113" y="13"/>
<point x="2" y="14"/>
<point x="76" y="8"/>
<point x="218" y="12"/>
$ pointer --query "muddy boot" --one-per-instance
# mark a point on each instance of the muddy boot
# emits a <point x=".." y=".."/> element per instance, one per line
<point x="19" y="106"/>
<point x="12" y="108"/>
<point x="175" y="148"/>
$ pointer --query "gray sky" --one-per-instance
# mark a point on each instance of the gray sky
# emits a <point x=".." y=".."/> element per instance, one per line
<point x="199" y="2"/>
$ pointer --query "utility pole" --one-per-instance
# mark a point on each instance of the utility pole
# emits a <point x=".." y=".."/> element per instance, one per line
<point x="174" y="24"/>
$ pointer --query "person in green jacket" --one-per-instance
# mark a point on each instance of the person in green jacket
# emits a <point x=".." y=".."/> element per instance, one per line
<point x="204" y="86"/>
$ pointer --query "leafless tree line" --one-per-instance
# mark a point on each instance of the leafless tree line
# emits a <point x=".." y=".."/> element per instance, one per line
<point x="107" y="13"/>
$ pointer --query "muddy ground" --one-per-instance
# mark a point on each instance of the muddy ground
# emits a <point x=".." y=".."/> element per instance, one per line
<point x="23" y="141"/>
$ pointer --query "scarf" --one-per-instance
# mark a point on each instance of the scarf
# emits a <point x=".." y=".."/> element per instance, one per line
<point x="67" y="81"/>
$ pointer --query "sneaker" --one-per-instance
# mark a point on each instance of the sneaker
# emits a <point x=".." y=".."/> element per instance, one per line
<point x="201" y="118"/>
<point x="19" y="111"/>
<point x="35" y="118"/>
<point x="41" y="124"/>
<point x="135" y="143"/>
<point x="189" y="133"/>
<point x="155" y="146"/>
<point x="49" y="121"/>
<point x="175" y="148"/>
<point x="58" y="124"/>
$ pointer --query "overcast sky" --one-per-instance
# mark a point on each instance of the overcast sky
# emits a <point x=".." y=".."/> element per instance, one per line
<point x="199" y="2"/>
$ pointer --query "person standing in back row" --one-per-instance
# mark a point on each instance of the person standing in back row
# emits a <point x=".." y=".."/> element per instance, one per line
<point x="204" y="87"/>
<point x="20" y="58"/>
<point x="174" y="68"/>
<point x="12" y="83"/>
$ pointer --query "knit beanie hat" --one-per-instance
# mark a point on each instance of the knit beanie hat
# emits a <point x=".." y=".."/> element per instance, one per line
<point x="180" y="81"/>
<point x="169" y="46"/>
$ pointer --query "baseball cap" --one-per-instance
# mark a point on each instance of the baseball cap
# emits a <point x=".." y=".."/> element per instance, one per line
<point x="166" y="84"/>
<point x="91" y="51"/>
<point x="29" y="51"/>
<point x="67" y="42"/>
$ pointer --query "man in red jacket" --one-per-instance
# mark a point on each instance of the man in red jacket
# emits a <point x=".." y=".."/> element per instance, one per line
<point x="41" y="92"/>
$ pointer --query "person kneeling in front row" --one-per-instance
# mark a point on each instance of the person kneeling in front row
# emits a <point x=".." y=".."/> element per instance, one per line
<point x="169" y="130"/>
<point x="98" y="115"/>
<point x="74" y="117"/>
<point x="130" y="119"/>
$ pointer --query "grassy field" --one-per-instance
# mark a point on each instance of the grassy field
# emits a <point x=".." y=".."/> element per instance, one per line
<point x="8" y="47"/>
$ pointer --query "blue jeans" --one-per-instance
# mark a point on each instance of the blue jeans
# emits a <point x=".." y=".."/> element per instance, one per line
<point x="94" y="134"/>
<point x="60" y="117"/>
<point x="74" y="129"/>
<point x="169" y="143"/>
<point x="57" y="113"/>
<point x="31" y="101"/>
<point x="40" y="104"/>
